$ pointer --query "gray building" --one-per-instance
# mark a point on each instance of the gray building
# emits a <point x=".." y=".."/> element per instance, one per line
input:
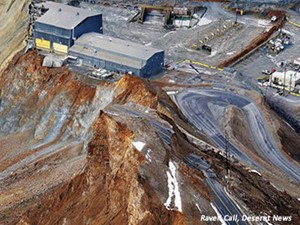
<point x="61" y="24"/>
<point x="118" y="55"/>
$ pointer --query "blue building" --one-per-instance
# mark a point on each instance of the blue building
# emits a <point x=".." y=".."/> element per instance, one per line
<point x="113" y="54"/>
<point x="61" y="25"/>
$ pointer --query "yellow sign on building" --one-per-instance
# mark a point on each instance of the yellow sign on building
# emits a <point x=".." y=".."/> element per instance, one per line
<point x="59" y="48"/>
<point x="42" y="44"/>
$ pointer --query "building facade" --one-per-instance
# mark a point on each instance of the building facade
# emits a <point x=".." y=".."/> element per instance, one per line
<point x="60" y="25"/>
<point x="113" y="54"/>
<point x="288" y="79"/>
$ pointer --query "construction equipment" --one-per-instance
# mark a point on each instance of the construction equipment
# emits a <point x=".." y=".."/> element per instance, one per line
<point x="207" y="48"/>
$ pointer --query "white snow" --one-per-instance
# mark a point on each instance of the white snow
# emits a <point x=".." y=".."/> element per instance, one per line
<point x="198" y="208"/>
<point x="138" y="145"/>
<point x="171" y="81"/>
<point x="172" y="92"/>
<point x="255" y="171"/>
<point x="148" y="44"/>
<point x="148" y="156"/>
<point x="298" y="199"/>
<point x="218" y="214"/>
<point x="173" y="189"/>
<point x="278" y="189"/>
<point x="204" y="21"/>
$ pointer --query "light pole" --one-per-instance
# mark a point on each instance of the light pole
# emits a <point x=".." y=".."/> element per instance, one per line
<point x="236" y="11"/>
<point x="283" y="91"/>
<point x="290" y="83"/>
<point x="284" y="75"/>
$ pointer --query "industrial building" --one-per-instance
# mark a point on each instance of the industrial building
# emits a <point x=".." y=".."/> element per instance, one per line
<point x="289" y="79"/>
<point x="60" y="25"/>
<point x="113" y="54"/>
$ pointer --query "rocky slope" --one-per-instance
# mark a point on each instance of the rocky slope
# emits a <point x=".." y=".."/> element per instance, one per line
<point x="60" y="151"/>
<point x="77" y="151"/>
<point x="14" y="30"/>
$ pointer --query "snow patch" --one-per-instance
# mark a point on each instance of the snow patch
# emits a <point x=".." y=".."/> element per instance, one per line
<point x="298" y="199"/>
<point x="255" y="171"/>
<point x="198" y="208"/>
<point x="220" y="217"/>
<point x="173" y="189"/>
<point x="172" y="92"/>
<point x="148" y="155"/>
<point x="274" y="186"/>
<point x="138" y="145"/>
<point x="148" y="44"/>
<point x="171" y="81"/>
<point x="204" y="21"/>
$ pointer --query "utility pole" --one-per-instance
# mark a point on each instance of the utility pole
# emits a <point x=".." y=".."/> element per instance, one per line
<point x="290" y="83"/>
<point x="236" y="11"/>
<point x="284" y="74"/>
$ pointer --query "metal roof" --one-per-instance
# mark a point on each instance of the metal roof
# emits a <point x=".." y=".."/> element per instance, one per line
<point x="113" y="49"/>
<point x="64" y="16"/>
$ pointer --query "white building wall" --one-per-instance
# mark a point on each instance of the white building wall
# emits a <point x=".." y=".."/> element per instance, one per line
<point x="290" y="79"/>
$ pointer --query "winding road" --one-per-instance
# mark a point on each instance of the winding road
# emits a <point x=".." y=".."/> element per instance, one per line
<point x="204" y="107"/>
<point x="225" y="206"/>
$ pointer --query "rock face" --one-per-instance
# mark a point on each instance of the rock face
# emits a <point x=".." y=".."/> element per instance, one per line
<point x="109" y="190"/>
<point x="13" y="13"/>
<point x="67" y="157"/>
<point x="77" y="151"/>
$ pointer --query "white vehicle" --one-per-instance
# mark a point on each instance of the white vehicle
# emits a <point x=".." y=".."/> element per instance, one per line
<point x="273" y="19"/>
<point x="267" y="72"/>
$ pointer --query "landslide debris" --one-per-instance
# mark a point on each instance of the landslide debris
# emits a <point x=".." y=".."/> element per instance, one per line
<point x="63" y="159"/>
<point x="78" y="152"/>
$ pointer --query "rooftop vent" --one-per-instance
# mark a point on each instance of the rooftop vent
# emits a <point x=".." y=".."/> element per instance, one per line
<point x="59" y="10"/>
<point x="77" y="13"/>
<point x="110" y="40"/>
<point x="128" y="45"/>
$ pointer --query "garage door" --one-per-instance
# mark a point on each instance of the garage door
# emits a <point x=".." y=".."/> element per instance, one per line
<point x="42" y="44"/>
<point x="59" y="48"/>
